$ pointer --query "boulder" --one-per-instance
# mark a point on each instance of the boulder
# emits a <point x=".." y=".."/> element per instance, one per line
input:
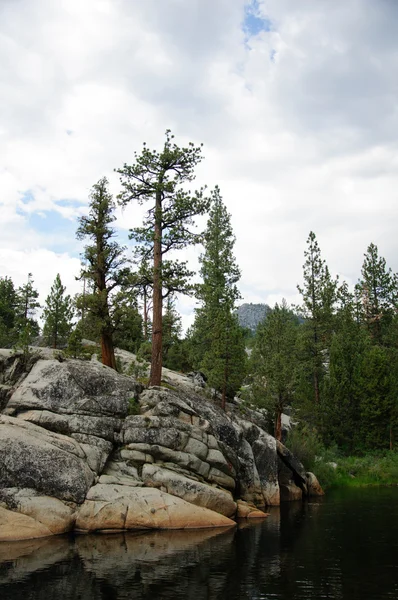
<point x="113" y="507"/>
<point x="72" y="452"/>
<point x="17" y="526"/>
<point x="83" y="400"/>
<point x="168" y="432"/>
<point x="52" y="464"/>
<point x="74" y="387"/>
<point x="294" y="465"/>
<point x="249" y="511"/>
<point x="248" y="478"/>
<point x="313" y="485"/>
<point x="24" y="514"/>
<point x="290" y="492"/>
<point x="264" y="452"/>
<point x="195" y="492"/>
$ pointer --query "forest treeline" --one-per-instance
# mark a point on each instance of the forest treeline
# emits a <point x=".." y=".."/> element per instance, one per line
<point x="331" y="362"/>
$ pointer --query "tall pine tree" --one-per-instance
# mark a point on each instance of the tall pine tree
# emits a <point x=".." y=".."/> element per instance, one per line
<point x="378" y="291"/>
<point x="104" y="263"/>
<point x="159" y="178"/>
<point x="343" y="385"/>
<point x="27" y="304"/>
<point x="319" y="298"/>
<point x="216" y="338"/>
<point x="274" y="363"/>
<point x="58" y="314"/>
<point x="8" y="302"/>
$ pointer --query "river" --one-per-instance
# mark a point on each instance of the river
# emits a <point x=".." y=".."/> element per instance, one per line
<point x="344" y="546"/>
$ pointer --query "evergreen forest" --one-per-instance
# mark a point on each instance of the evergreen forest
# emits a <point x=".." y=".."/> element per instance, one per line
<point x="329" y="363"/>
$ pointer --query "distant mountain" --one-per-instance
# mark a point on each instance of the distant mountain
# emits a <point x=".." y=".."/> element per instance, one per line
<point x="250" y="315"/>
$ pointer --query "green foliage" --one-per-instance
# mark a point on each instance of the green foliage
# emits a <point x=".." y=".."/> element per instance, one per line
<point x="26" y="334"/>
<point x="172" y="328"/>
<point x="160" y="178"/>
<point x="343" y="385"/>
<point x="104" y="263"/>
<point x="378" y="290"/>
<point x="274" y="363"/>
<point x="75" y="347"/>
<point x="216" y="339"/>
<point x="58" y="314"/>
<point x="224" y="363"/>
<point x="319" y="293"/>
<point x="8" y="302"/>
<point x="306" y="444"/>
<point x="372" y="469"/>
<point x="164" y="173"/>
<point x="26" y="326"/>
<point x="378" y="400"/>
<point x="138" y="368"/>
<point x="145" y="351"/>
<point x="134" y="407"/>
<point x="178" y="357"/>
<point x="127" y="321"/>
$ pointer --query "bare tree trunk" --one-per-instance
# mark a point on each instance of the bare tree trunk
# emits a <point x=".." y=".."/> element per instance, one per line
<point x="224" y="387"/>
<point x="156" y="360"/>
<point x="278" y="425"/>
<point x="145" y="315"/>
<point x="107" y="350"/>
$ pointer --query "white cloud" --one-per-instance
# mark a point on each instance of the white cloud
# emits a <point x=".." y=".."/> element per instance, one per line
<point x="299" y="123"/>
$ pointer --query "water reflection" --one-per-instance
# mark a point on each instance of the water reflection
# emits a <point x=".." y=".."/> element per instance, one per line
<point x="344" y="547"/>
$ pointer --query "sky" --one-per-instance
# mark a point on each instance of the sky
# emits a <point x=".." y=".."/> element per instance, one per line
<point x="295" y="102"/>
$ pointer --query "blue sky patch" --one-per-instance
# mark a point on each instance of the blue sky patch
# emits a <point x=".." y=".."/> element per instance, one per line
<point x="60" y="233"/>
<point x="253" y="22"/>
<point x="27" y="197"/>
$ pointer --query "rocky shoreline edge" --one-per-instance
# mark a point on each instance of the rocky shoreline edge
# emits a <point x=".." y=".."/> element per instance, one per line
<point x="74" y="458"/>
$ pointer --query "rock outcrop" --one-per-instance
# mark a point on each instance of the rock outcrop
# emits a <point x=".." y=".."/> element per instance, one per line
<point x="73" y="458"/>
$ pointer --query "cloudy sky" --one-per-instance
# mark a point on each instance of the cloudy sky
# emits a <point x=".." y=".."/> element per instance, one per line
<point x="295" y="101"/>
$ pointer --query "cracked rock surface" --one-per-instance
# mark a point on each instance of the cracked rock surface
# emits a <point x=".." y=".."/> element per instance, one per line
<point x="71" y="457"/>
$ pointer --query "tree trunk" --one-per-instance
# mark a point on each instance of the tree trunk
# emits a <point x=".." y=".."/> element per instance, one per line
<point x="156" y="360"/>
<point x="107" y="350"/>
<point x="145" y="315"/>
<point x="224" y="388"/>
<point x="278" y="425"/>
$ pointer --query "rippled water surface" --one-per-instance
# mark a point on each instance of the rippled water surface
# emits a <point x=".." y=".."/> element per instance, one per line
<point x="342" y="547"/>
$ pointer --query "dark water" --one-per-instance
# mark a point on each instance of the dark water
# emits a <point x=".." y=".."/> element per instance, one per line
<point x="342" y="547"/>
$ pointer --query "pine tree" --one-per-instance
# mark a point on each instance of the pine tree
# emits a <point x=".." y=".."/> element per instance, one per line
<point x="217" y="340"/>
<point x="378" y="290"/>
<point x="158" y="178"/>
<point x="319" y="298"/>
<point x="343" y="385"/>
<point x="8" y="302"/>
<point x="378" y="404"/>
<point x="274" y="363"/>
<point x="172" y="327"/>
<point x="58" y="314"/>
<point x="104" y="260"/>
<point x="75" y="342"/>
<point x="26" y="306"/>
<point x="128" y="330"/>
<point x="225" y="361"/>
